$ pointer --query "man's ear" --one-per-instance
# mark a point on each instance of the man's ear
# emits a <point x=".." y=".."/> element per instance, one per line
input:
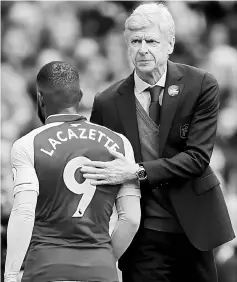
<point x="171" y="45"/>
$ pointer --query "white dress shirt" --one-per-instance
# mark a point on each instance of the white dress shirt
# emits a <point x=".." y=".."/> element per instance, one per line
<point x="143" y="95"/>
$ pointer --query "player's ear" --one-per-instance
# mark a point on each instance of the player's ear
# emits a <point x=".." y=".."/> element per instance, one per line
<point x="40" y="98"/>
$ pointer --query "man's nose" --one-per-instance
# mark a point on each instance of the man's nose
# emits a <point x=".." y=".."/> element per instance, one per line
<point x="143" y="49"/>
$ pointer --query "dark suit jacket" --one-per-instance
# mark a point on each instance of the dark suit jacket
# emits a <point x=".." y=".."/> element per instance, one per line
<point x="187" y="135"/>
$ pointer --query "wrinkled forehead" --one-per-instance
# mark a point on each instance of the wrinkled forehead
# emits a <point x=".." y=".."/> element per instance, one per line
<point x="144" y="32"/>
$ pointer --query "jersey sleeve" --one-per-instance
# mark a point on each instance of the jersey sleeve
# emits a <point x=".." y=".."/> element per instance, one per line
<point x="131" y="188"/>
<point x="24" y="174"/>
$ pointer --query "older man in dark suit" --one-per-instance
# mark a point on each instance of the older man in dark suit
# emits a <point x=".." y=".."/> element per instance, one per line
<point x="169" y="112"/>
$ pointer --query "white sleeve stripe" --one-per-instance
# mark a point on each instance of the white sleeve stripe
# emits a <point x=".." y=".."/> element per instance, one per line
<point x="25" y="183"/>
<point x="23" y="189"/>
<point x="131" y="193"/>
<point x="132" y="190"/>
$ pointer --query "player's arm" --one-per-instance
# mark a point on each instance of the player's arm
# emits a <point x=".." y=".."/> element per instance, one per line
<point x="22" y="216"/>
<point x="128" y="209"/>
<point x="129" y="214"/>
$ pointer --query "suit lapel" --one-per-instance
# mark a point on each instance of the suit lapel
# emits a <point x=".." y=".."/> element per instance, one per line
<point x="127" y="112"/>
<point x="169" y="103"/>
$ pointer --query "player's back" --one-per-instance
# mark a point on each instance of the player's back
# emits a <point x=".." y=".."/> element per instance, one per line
<point x="71" y="239"/>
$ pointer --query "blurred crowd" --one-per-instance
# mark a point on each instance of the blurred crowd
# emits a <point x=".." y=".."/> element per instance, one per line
<point x="89" y="34"/>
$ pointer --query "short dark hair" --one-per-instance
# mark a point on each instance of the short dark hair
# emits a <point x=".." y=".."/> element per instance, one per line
<point x="59" y="81"/>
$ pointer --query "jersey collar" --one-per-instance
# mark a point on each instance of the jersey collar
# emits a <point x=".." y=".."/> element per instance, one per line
<point x="64" y="118"/>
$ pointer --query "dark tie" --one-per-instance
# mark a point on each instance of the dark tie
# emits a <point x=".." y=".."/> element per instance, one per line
<point x="154" y="109"/>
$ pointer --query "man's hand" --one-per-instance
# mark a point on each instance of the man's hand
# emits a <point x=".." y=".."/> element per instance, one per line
<point x="118" y="171"/>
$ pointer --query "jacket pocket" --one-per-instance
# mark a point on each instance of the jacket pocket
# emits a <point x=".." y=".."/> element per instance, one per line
<point x="206" y="183"/>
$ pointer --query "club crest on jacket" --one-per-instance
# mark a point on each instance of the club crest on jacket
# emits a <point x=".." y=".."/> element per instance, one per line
<point x="184" y="131"/>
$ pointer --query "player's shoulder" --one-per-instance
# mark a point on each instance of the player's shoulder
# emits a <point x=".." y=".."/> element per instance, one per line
<point x="27" y="139"/>
<point x="107" y="130"/>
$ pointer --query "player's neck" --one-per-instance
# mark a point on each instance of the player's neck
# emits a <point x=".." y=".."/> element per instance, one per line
<point x="68" y="111"/>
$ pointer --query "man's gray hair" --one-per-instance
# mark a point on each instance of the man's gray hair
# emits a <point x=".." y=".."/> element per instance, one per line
<point x="150" y="14"/>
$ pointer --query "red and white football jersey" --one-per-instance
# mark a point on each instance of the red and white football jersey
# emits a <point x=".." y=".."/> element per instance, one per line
<point x="70" y="239"/>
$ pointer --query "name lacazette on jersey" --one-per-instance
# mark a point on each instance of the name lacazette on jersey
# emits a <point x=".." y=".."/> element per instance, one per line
<point x="76" y="132"/>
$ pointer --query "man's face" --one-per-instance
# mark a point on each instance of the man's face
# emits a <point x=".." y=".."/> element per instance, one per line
<point x="149" y="49"/>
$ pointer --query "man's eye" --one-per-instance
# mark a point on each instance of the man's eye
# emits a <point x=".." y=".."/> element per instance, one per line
<point x="136" y="41"/>
<point x="152" y="42"/>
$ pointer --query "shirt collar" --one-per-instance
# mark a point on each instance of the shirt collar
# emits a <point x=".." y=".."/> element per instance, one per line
<point x="141" y="85"/>
<point x="64" y="118"/>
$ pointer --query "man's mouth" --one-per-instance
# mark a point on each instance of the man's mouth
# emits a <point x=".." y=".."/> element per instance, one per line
<point x="144" y="62"/>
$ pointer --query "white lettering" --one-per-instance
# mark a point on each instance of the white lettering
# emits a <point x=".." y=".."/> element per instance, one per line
<point x="82" y="133"/>
<point x="71" y="134"/>
<point x="108" y="141"/>
<point x="54" y="143"/>
<point x="92" y="133"/>
<point x="115" y="146"/>
<point x="100" y="136"/>
<point x="46" y="152"/>
<point x="59" y="137"/>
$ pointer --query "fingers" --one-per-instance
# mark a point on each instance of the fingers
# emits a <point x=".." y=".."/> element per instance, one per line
<point x="99" y="182"/>
<point x="94" y="176"/>
<point x="88" y="169"/>
<point x="96" y="164"/>
<point x="115" y="153"/>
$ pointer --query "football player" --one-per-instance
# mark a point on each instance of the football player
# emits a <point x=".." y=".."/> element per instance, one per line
<point x="57" y="215"/>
